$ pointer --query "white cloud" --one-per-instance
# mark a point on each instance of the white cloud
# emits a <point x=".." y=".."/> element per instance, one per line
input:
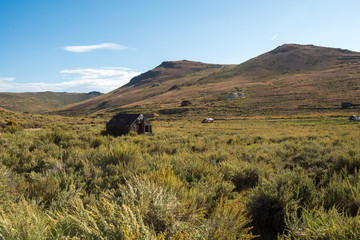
<point x="6" y="79"/>
<point x="5" y="83"/>
<point x="77" y="80"/>
<point x="274" y="37"/>
<point x="88" y="48"/>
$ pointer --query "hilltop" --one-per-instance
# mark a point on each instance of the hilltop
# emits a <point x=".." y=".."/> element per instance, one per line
<point x="289" y="79"/>
<point x="38" y="102"/>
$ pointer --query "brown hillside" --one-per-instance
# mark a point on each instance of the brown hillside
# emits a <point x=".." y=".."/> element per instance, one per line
<point x="296" y="58"/>
<point x="164" y="81"/>
<point x="290" y="78"/>
<point x="37" y="102"/>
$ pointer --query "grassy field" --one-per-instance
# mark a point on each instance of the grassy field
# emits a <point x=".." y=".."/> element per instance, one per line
<point x="290" y="178"/>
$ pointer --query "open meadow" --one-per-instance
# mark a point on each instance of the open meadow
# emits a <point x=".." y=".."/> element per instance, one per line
<point x="291" y="178"/>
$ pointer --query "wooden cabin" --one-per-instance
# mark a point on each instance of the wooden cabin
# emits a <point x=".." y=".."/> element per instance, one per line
<point x="122" y="124"/>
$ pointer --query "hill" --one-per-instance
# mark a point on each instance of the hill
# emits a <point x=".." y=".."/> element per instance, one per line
<point x="290" y="79"/>
<point x="37" y="102"/>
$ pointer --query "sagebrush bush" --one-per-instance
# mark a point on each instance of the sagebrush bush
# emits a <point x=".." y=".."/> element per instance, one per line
<point x="159" y="207"/>
<point x="268" y="203"/>
<point x="126" y="155"/>
<point x="228" y="221"/>
<point x="245" y="178"/>
<point x="103" y="219"/>
<point x="342" y="194"/>
<point x="317" y="223"/>
<point x="25" y="220"/>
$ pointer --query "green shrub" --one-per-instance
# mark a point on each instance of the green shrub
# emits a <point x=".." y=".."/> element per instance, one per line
<point x="97" y="142"/>
<point x="24" y="220"/>
<point x="342" y="194"/>
<point x="44" y="189"/>
<point x="126" y="155"/>
<point x="350" y="162"/>
<point x="245" y="178"/>
<point x="159" y="208"/>
<point x="228" y="221"/>
<point x="13" y="129"/>
<point x="12" y="123"/>
<point x="319" y="224"/>
<point x="60" y="137"/>
<point x="103" y="219"/>
<point x="268" y="203"/>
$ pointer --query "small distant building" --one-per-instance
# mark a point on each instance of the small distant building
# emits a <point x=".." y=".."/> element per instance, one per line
<point x="346" y="105"/>
<point x="122" y="124"/>
<point x="185" y="103"/>
<point x="207" y="120"/>
<point x="354" y="118"/>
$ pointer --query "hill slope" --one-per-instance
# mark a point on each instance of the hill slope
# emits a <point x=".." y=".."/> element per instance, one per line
<point x="37" y="102"/>
<point x="290" y="78"/>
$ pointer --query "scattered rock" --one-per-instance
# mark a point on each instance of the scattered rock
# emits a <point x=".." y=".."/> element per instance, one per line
<point x="185" y="103"/>
<point x="173" y="88"/>
<point x="234" y="95"/>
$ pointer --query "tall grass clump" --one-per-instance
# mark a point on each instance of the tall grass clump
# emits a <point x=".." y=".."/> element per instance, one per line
<point x="160" y="208"/>
<point x="242" y="174"/>
<point x="25" y="220"/>
<point x="127" y="155"/>
<point x="343" y="193"/>
<point x="228" y="221"/>
<point x="103" y="219"/>
<point x="267" y="204"/>
<point x="317" y="223"/>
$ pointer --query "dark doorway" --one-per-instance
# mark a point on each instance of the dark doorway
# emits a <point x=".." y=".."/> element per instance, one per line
<point x="141" y="127"/>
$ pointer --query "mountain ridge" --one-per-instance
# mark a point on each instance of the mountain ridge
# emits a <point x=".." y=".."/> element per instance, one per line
<point x="288" y="78"/>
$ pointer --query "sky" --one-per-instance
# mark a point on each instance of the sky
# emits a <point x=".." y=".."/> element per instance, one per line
<point x="99" y="45"/>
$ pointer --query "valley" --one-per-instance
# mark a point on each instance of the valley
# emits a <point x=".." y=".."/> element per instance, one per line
<point x="280" y="160"/>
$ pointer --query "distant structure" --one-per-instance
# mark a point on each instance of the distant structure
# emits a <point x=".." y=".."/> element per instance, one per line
<point x="207" y="120"/>
<point x="234" y="95"/>
<point x="346" y="105"/>
<point x="122" y="124"/>
<point x="155" y="85"/>
<point x="185" y="103"/>
<point x="354" y="118"/>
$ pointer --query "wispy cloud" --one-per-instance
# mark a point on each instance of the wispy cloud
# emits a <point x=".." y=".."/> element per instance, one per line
<point x="5" y="83"/>
<point x="88" y="48"/>
<point x="103" y="79"/>
<point x="274" y="37"/>
<point x="76" y="80"/>
<point x="6" y="79"/>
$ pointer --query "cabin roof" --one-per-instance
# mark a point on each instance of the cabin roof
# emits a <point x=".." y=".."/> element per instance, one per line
<point x="124" y="119"/>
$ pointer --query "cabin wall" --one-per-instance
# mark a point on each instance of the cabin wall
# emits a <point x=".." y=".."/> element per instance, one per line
<point x="134" y="127"/>
<point x="117" y="130"/>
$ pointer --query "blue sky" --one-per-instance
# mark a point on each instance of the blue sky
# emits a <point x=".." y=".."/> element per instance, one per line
<point x="99" y="45"/>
